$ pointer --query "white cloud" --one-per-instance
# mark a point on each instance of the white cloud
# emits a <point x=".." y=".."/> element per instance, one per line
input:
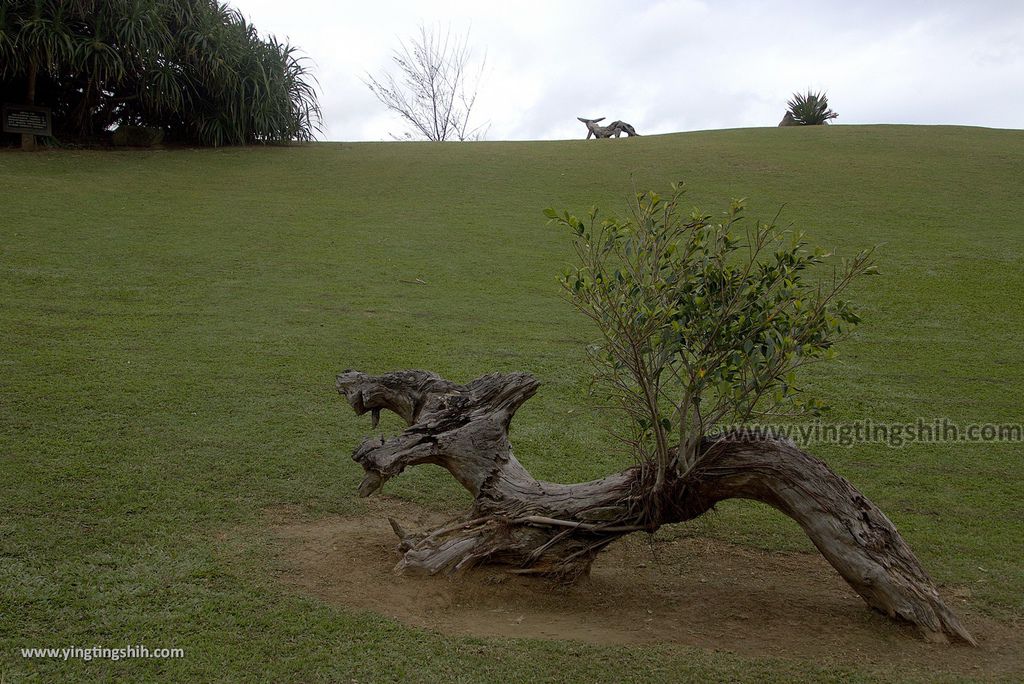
<point x="674" y="65"/>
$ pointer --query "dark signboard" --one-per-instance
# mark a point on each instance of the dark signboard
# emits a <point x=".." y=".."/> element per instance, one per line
<point x="26" y="119"/>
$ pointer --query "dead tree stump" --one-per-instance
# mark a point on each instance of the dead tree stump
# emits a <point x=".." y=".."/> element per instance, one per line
<point x="556" y="530"/>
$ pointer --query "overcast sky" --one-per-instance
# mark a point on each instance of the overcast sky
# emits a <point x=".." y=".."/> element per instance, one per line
<point x="674" y="65"/>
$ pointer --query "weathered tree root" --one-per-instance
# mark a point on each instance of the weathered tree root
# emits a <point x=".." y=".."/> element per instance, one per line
<point x="557" y="530"/>
<point x="612" y="130"/>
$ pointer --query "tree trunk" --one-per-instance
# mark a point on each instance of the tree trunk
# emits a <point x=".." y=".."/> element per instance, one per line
<point x="557" y="530"/>
<point x="28" y="140"/>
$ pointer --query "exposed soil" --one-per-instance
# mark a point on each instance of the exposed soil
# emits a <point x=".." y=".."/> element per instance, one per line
<point x="693" y="591"/>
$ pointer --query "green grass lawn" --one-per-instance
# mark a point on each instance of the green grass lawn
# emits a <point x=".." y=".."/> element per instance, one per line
<point x="171" y="323"/>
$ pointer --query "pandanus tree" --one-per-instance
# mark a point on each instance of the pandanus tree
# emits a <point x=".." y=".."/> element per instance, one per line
<point x="703" y="322"/>
<point x="194" y="68"/>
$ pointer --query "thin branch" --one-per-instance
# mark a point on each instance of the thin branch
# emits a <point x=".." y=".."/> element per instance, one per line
<point x="432" y="92"/>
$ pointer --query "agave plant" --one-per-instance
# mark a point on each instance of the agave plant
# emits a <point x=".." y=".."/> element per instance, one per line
<point x="810" y="109"/>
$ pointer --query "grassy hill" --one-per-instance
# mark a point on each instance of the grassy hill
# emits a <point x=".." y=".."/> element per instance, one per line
<point x="171" y="323"/>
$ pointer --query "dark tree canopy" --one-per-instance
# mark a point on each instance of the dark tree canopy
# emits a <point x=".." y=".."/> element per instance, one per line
<point x="194" y="68"/>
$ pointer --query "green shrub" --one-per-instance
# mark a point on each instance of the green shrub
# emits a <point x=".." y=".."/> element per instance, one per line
<point x="810" y="109"/>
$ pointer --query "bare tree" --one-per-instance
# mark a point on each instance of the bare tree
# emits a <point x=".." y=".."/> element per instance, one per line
<point x="435" y="88"/>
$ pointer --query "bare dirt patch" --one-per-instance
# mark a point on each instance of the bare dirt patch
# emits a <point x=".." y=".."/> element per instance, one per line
<point x="693" y="591"/>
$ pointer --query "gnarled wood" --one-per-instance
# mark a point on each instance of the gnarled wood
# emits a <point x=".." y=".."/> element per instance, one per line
<point x="612" y="130"/>
<point x="557" y="530"/>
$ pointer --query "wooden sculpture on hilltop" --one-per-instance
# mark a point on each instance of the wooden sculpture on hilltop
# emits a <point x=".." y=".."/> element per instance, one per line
<point x="612" y="130"/>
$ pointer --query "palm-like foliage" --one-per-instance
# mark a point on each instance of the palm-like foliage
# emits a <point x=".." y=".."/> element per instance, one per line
<point x="195" y="68"/>
<point x="810" y="109"/>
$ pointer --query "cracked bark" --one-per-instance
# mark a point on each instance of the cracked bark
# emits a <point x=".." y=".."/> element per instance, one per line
<point x="557" y="530"/>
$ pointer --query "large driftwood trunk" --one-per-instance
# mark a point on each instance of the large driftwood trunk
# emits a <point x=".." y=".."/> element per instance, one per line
<point x="557" y="530"/>
<point x="612" y="130"/>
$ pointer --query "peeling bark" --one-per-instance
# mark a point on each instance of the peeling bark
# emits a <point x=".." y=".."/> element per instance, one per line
<point x="557" y="530"/>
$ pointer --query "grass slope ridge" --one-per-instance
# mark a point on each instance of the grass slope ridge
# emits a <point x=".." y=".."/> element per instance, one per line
<point x="171" y="322"/>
